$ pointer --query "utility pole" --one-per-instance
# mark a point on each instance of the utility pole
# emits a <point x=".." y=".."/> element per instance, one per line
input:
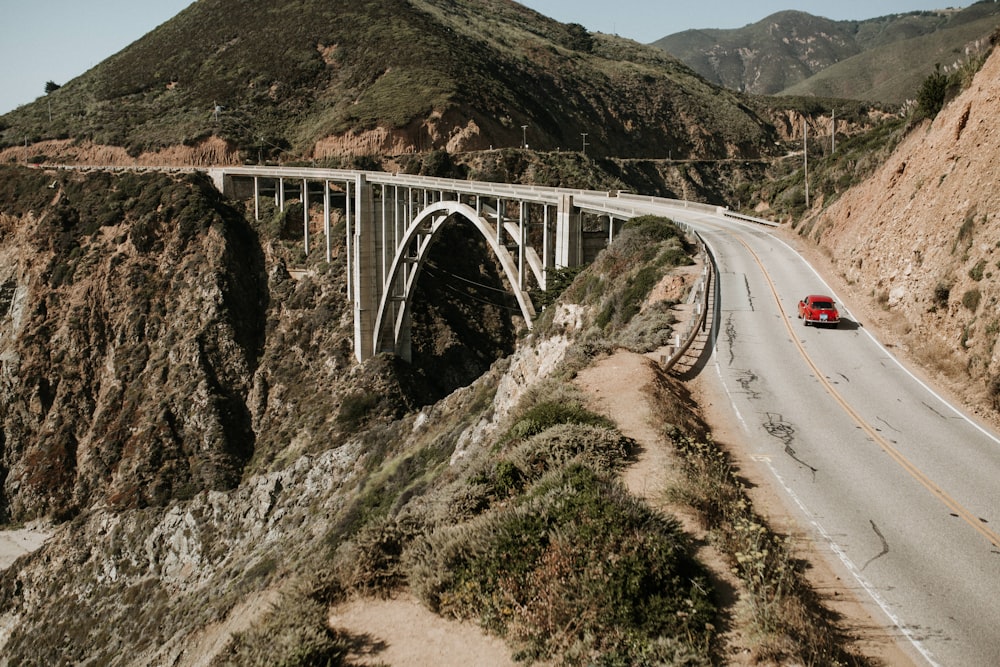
<point x="833" y="132"/>
<point x="524" y="136"/>
<point x="584" y="135"/>
<point x="805" y="156"/>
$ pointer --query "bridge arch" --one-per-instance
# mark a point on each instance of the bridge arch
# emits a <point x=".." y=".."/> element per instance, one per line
<point x="393" y="317"/>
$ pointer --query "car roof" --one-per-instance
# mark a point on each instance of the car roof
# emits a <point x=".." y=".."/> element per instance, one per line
<point x="819" y="297"/>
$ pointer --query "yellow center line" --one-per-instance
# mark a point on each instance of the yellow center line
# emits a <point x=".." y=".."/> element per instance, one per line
<point x="887" y="447"/>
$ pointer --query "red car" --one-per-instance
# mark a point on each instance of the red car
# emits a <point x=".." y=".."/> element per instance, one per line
<point x="818" y="309"/>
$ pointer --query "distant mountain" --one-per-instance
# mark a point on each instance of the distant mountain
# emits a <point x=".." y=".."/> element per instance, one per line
<point x="882" y="59"/>
<point x="314" y="79"/>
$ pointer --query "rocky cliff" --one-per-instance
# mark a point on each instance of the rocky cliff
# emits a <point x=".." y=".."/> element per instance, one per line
<point x="185" y="414"/>
<point x="133" y="312"/>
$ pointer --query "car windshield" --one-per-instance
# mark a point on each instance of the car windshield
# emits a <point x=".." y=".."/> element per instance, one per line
<point x="823" y="305"/>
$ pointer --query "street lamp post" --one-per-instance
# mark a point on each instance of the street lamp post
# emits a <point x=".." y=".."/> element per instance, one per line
<point x="524" y="136"/>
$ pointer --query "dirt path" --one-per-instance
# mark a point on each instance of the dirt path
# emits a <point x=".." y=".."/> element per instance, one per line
<point x="16" y="543"/>
<point x="403" y="633"/>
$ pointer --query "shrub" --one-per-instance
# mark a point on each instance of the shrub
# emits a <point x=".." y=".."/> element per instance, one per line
<point x="971" y="299"/>
<point x="650" y="330"/>
<point x="294" y="634"/>
<point x="932" y="92"/>
<point x="600" y="447"/>
<point x="942" y="292"/>
<point x="577" y="568"/>
<point x="544" y="415"/>
<point x="993" y="391"/>
<point x="355" y="409"/>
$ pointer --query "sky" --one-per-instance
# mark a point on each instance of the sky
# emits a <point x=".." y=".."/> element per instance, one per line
<point x="57" y="40"/>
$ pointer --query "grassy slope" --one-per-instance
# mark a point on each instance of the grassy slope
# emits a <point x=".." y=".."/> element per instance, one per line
<point x="798" y="54"/>
<point x="893" y="72"/>
<point x="288" y="77"/>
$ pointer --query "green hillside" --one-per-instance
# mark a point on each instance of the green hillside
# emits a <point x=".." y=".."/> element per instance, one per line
<point x="274" y="80"/>
<point x="793" y="53"/>
<point x="893" y="72"/>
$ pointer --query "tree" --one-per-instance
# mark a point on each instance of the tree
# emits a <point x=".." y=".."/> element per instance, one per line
<point x="931" y="96"/>
<point x="50" y="86"/>
<point x="578" y="38"/>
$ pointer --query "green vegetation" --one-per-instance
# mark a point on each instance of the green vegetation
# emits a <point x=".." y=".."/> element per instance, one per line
<point x="971" y="299"/>
<point x="272" y="83"/>
<point x="783" y="615"/>
<point x="932" y="93"/>
<point x="625" y="273"/>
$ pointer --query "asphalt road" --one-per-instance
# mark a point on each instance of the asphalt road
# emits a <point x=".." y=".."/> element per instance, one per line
<point x="898" y="484"/>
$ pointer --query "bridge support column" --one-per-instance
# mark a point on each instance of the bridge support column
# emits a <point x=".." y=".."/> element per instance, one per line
<point x="366" y="287"/>
<point x="326" y="221"/>
<point x="569" y="234"/>
<point x="522" y="240"/>
<point x="256" y="198"/>
<point x="305" y="215"/>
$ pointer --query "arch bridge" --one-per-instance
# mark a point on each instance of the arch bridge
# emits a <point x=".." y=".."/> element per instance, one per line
<point x="392" y="219"/>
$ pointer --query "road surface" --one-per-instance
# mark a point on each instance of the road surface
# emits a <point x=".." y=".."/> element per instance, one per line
<point x="902" y="487"/>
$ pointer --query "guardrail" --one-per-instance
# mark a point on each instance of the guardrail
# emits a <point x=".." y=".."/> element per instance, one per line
<point x="725" y="212"/>
<point x="701" y="295"/>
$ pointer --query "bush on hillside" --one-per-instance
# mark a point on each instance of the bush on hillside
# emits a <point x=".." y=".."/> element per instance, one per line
<point x="577" y="569"/>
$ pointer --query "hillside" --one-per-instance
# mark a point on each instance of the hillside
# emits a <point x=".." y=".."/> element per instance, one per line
<point x="217" y="476"/>
<point x="793" y="53"/>
<point x="382" y="77"/>
<point x="920" y="240"/>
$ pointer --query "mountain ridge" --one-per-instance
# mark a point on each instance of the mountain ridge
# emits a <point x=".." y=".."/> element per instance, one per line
<point x="388" y="76"/>
<point x="795" y="53"/>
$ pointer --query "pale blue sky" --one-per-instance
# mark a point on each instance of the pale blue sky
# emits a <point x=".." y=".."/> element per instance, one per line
<point x="57" y="40"/>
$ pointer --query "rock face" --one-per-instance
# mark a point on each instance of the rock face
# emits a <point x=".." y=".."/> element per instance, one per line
<point x="921" y="238"/>
<point x="133" y="311"/>
<point x="153" y="345"/>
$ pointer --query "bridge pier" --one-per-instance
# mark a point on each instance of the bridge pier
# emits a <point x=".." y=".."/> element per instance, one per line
<point x="569" y="234"/>
<point x="366" y="280"/>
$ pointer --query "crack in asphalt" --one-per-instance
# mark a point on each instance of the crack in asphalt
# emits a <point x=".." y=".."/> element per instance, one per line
<point x="731" y="337"/>
<point x="745" y="379"/>
<point x="885" y="545"/>
<point x="933" y="410"/>
<point x="749" y="296"/>
<point x="777" y="427"/>
<point x="889" y="425"/>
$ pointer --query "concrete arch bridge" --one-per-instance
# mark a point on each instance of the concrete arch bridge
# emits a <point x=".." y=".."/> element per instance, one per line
<point x="392" y="220"/>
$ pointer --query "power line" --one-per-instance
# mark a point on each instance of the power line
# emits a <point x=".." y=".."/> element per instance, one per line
<point x="464" y="279"/>
<point x="472" y="297"/>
